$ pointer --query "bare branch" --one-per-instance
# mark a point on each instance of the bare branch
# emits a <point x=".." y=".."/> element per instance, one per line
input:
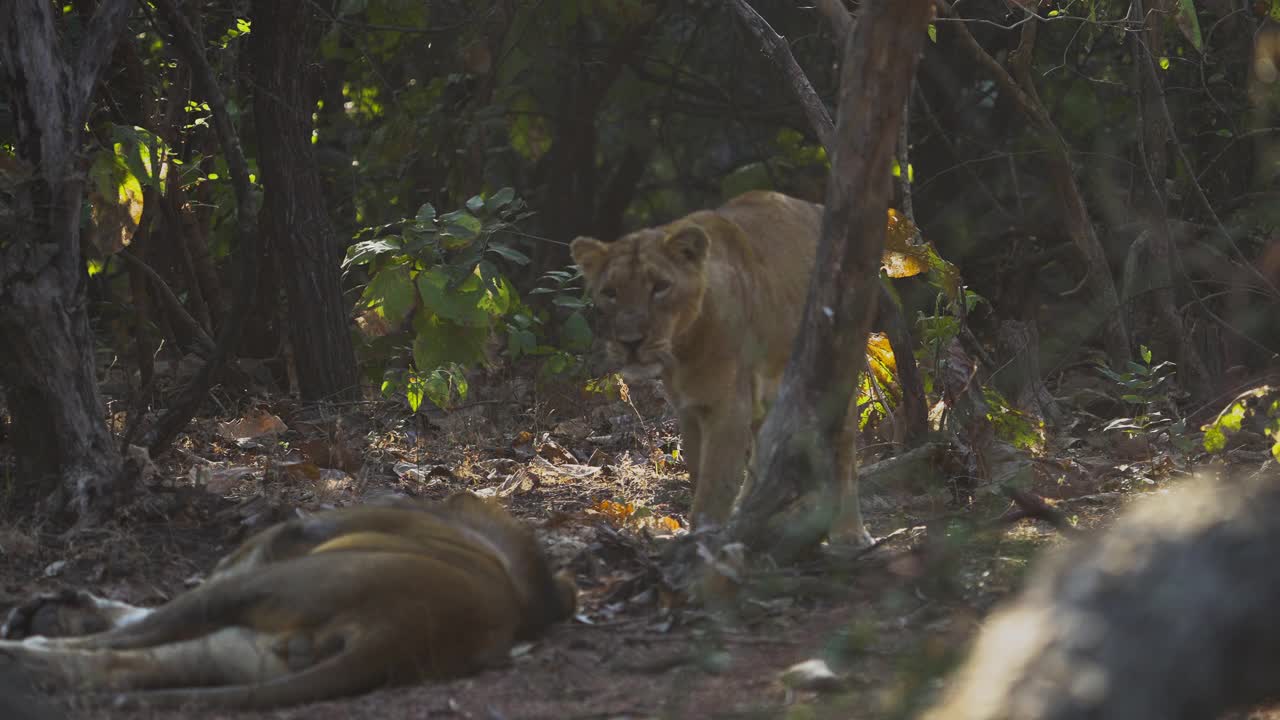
<point x="775" y="47"/>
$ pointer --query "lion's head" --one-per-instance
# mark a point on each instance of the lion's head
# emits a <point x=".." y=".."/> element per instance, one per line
<point x="648" y="288"/>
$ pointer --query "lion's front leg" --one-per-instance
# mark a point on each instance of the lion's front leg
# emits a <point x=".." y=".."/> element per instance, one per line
<point x="725" y="440"/>
<point x="68" y="614"/>
<point x="691" y="446"/>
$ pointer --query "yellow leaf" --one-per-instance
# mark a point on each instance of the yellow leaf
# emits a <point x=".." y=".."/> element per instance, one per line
<point x="616" y="512"/>
<point x="901" y="257"/>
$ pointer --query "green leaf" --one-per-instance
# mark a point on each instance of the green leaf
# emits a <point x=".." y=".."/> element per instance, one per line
<point x="520" y="342"/>
<point x="576" y="333"/>
<point x="933" y="32"/>
<point x="1164" y="63"/>
<point x="426" y="214"/>
<point x="459" y="304"/>
<point x="460" y="226"/>
<point x="475" y="204"/>
<point x="509" y="253"/>
<point x="413" y="392"/>
<point x="439" y="389"/>
<point x="1214" y="440"/>
<point x="115" y="200"/>
<point x="498" y="299"/>
<point x="364" y="252"/>
<point x="500" y="199"/>
<point x="1189" y="24"/>
<point x="569" y="301"/>
<point x="439" y="342"/>
<point x="1146" y="353"/>
<point x="391" y="292"/>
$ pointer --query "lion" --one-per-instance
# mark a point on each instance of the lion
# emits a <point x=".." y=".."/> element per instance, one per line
<point x="333" y="604"/>
<point x="711" y="303"/>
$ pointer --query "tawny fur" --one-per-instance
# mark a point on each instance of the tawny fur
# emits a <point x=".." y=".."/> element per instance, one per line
<point x="333" y="604"/>
<point x="711" y="303"/>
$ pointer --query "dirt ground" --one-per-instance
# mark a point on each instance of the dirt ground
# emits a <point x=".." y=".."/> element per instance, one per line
<point x="888" y="623"/>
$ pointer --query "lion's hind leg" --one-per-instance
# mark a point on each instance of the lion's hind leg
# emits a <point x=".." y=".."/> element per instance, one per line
<point x="225" y="656"/>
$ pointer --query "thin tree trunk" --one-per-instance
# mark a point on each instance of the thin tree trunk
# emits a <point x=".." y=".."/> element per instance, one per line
<point x="1075" y="214"/>
<point x="889" y="314"/>
<point x="787" y="504"/>
<point x="1153" y="153"/>
<point x="187" y="43"/>
<point x="60" y="437"/>
<point x="298" y="230"/>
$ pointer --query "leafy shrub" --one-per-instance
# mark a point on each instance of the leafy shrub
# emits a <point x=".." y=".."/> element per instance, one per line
<point x="436" y="282"/>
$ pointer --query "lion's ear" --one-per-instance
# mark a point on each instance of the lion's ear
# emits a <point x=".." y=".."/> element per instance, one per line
<point x="589" y="254"/>
<point x="688" y="244"/>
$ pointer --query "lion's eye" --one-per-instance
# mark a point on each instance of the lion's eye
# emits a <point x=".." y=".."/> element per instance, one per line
<point x="660" y="288"/>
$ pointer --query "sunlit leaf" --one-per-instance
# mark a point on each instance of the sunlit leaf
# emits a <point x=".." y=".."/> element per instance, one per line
<point x="901" y="257"/>
<point x="115" y="201"/>
<point x="460" y="304"/>
<point x="1214" y="440"/>
<point x="363" y="252"/>
<point x="460" y="228"/>
<point x="414" y="392"/>
<point x="392" y="293"/>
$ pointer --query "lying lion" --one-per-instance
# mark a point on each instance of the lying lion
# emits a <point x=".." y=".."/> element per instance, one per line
<point x="334" y="604"/>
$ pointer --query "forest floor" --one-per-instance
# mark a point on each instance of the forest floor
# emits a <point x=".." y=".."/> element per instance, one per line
<point x="888" y="623"/>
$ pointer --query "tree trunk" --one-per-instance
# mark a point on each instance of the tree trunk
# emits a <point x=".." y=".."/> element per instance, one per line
<point x="297" y="228"/>
<point x="788" y="502"/>
<point x="1153" y="154"/>
<point x="915" y="425"/>
<point x="60" y="438"/>
<point x="1075" y="214"/>
<point x="1168" y="615"/>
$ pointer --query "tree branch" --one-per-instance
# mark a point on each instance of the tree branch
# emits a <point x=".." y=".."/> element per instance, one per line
<point x="775" y="47"/>
<point x="1075" y="214"/>
<point x="188" y="44"/>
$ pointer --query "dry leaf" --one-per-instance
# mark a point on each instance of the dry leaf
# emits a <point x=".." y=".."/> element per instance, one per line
<point x="256" y="425"/>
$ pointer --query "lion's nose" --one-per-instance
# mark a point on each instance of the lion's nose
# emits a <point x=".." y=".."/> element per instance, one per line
<point x="631" y="345"/>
